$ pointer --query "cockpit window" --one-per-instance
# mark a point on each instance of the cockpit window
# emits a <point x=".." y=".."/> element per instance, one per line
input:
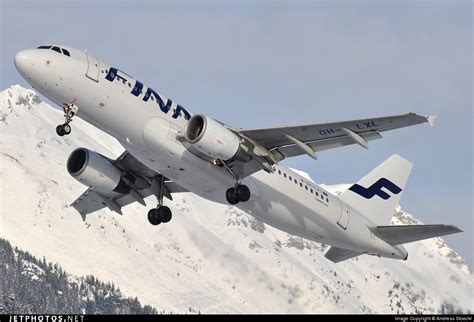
<point x="56" y="49"/>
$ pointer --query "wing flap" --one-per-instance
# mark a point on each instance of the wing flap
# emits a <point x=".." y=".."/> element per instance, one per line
<point x="289" y="151"/>
<point x="88" y="202"/>
<point x="397" y="235"/>
<point x="91" y="201"/>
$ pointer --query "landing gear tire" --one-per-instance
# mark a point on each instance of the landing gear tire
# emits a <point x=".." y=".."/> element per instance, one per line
<point x="59" y="130"/>
<point x="239" y="194"/>
<point x="164" y="214"/>
<point x="63" y="129"/>
<point x="243" y="193"/>
<point x="231" y="196"/>
<point x="159" y="215"/>
<point x="66" y="129"/>
<point x="153" y="217"/>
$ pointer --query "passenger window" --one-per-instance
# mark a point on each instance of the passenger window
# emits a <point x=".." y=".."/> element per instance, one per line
<point x="311" y="190"/>
<point x="290" y="178"/>
<point x="306" y="187"/>
<point x="317" y="194"/>
<point x="56" y="49"/>
<point x="284" y="174"/>
<point x="296" y="181"/>
<point x="279" y="171"/>
<point x="66" y="52"/>
<point x="301" y="185"/>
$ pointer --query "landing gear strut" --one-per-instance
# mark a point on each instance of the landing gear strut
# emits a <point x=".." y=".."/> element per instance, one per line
<point x="239" y="193"/>
<point x="69" y="111"/>
<point x="160" y="214"/>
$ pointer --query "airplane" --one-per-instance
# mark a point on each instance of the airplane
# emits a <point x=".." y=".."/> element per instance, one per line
<point x="168" y="150"/>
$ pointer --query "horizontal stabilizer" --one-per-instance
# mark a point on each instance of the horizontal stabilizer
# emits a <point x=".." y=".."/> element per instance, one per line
<point x="397" y="235"/>
<point x="336" y="254"/>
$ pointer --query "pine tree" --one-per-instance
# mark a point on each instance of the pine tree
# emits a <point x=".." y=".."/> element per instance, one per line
<point x="52" y="292"/>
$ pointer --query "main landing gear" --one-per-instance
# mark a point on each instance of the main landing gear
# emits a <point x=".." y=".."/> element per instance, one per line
<point x="239" y="193"/>
<point x="160" y="214"/>
<point x="69" y="111"/>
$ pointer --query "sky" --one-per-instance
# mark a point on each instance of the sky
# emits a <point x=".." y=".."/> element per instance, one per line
<point x="274" y="63"/>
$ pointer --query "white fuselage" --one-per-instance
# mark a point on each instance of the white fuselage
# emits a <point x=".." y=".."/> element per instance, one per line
<point x="282" y="199"/>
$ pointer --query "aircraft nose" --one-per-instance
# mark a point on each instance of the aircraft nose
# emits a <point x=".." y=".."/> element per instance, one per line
<point x="24" y="61"/>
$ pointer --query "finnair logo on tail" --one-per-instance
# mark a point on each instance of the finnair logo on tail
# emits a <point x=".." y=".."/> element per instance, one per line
<point x="376" y="189"/>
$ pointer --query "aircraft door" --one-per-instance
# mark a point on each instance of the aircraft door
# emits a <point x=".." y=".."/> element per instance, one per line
<point x="345" y="215"/>
<point x="93" y="67"/>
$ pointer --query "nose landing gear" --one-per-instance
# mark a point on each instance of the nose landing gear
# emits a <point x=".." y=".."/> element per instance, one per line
<point x="63" y="129"/>
<point x="69" y="110"/>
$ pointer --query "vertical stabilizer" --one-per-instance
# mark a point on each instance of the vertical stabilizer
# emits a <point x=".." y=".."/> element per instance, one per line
<point x="377" y="194"/>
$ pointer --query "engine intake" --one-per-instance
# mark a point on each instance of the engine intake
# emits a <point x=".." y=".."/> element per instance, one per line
<point x="211" y="137"/>
<point x="94" y="170"/>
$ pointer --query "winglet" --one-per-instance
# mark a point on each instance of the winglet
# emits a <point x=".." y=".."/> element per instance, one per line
<point x="432" y="119"/>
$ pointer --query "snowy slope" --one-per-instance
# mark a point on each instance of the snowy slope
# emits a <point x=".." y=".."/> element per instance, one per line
<point x="210" y="257"/>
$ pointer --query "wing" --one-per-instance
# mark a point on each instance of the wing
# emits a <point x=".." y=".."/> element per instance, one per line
<point x="267" y="146"/>
<point x="290" y="141"/>
<point x="138" y="177"/>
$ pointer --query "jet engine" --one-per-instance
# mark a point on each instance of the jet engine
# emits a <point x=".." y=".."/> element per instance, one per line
<point x="96" y="171"/>
<point x="211" y="137"/>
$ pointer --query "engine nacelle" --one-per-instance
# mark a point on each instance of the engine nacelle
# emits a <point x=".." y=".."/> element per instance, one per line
<point x="211" y="138"/>
<point x="94" y="170"/>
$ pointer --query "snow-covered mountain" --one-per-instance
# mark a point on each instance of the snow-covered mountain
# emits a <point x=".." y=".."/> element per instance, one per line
<point x="210" y="257"/>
